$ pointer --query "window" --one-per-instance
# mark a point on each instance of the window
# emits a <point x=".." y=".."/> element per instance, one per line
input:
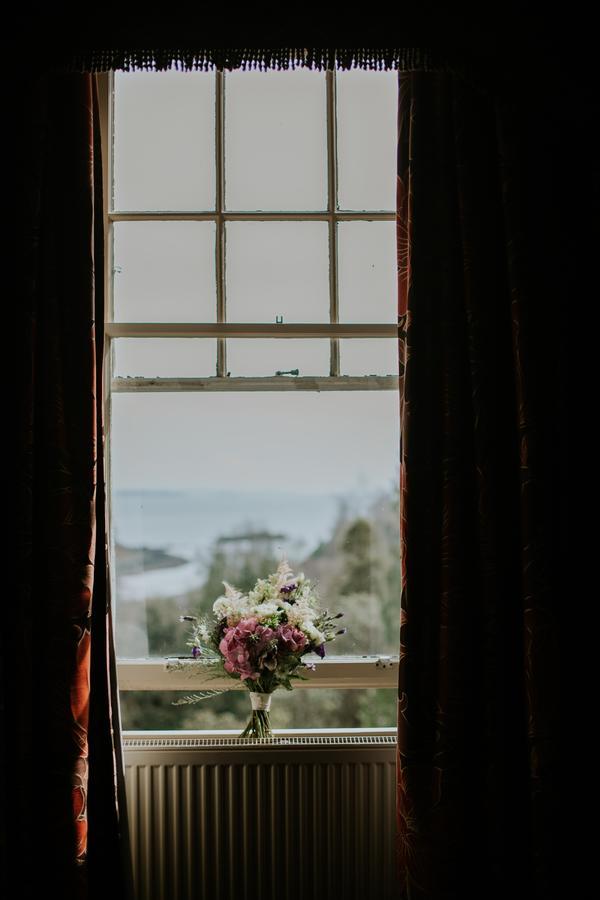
<point x="252" y="349"/>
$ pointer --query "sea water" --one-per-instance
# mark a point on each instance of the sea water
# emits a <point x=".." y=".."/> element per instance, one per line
<point x="187" y="524"/>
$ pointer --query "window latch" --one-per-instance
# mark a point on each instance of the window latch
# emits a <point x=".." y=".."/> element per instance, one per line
<point x="289" y="372"/>
<point x="384" y="662"/>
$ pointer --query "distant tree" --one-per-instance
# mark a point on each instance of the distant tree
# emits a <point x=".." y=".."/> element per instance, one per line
<point x="362" y="618"/>
<point x="203" y="599"/>
<point x="164" y="628"/>
<point x="240" y="559"/>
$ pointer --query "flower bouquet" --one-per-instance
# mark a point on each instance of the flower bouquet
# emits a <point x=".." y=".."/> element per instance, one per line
<point x="260" y="639"/>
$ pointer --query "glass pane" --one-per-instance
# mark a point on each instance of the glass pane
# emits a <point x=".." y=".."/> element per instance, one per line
<point x="277" y="269"/>
<point x="368" y="281"/>
<point x="369" y="356"/>
<point x="275" y="140"/>
<point x="164" y="357"/>
<point x="258" y="357"/>
<point x="367" y="138"/>
<point x="164" y="272"/>
<point x="207" y="487"/>
<point x="164" y="141"/>
<point x="320" y="708"/>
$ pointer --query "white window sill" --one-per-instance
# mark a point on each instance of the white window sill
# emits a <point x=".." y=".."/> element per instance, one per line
<point x="146" y="739"/>
<point x="340" y="673"/>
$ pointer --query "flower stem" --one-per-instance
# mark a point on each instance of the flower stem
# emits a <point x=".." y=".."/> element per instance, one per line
<point x="259" y="725"/>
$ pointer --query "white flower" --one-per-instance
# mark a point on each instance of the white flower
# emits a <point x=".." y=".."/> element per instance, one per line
<point x="305" y="609"/>
<point x="235" y="606"/>
<point x="263" y="590"/>
<point x="284" y="572"/>
<point x="295" y="616"/>
<point x="264" y="611"/>
<point x="232" y="593"/>
<point x="316" y="636"/>
<point x="221" y="607"/>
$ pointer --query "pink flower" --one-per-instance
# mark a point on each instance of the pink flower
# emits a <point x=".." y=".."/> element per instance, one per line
<point x="228" y="640"/>
<point x="234" y="647"/>
<point x="265" y="634"/>
<point x="238" y="660"/>
<point x="290" y="639"/>
<point x="246" y="627"/>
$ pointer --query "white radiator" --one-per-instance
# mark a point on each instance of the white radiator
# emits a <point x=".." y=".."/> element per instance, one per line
<point x="298" y="817"/>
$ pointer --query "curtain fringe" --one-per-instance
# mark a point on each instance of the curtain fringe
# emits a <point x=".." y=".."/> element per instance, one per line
<point x="402" y="59"/>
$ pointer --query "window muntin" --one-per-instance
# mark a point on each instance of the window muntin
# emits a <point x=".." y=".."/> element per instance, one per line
<point x="343" y="268"/>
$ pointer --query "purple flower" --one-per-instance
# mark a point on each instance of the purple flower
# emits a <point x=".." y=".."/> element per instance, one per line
<point x="320" y="650"/>
<point x="196" y="651"/>
<point x="263" y="637"/>
<point x="288" y="588"/>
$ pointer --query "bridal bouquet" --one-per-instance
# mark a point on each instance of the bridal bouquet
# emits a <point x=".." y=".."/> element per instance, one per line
<point x="260" y="638"/>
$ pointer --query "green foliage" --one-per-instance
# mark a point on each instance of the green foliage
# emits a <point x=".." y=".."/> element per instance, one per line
<point x="302" y="708"/>
<point x="164" y="629"/>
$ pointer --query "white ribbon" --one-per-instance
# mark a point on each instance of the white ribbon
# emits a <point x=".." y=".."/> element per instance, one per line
<point x="260" y="701"/>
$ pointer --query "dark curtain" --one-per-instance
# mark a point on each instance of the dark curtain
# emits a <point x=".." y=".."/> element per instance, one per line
<point x="478" y="224"/>
<point x="64" y="823"/>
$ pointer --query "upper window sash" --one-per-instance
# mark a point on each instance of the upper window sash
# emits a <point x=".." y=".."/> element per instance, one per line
<point x="332" y="215"/>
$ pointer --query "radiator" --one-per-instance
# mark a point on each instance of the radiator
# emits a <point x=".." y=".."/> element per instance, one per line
<point x="292" y="818"/>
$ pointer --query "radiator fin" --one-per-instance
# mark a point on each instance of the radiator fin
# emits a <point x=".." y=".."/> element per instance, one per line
<point x="214" y="824"/>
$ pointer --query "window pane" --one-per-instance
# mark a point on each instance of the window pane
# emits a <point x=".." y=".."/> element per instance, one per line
<point x="275" y="140"/>
<point x="369" y="356"/>
<point x="164" y="357"/>
<point x="213" y="487"/>
<point x="277" y="269"/>
<point x="258" y="357"/>
<point x="153" y="710"/>
<point x="367" y="137"/>
<point x="164" y="272"/>
<point x="368" y="281"/>
<point x="164" y="141"/>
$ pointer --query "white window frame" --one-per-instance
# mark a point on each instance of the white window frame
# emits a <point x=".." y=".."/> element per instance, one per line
<point x="340" y="672"/>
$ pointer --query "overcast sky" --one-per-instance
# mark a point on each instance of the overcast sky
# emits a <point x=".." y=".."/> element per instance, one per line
<point x="334" y="442"/>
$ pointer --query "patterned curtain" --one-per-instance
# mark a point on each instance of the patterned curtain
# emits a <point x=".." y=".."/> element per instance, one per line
<point x="478" y="629"/>
<point x="64" y="824"/>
